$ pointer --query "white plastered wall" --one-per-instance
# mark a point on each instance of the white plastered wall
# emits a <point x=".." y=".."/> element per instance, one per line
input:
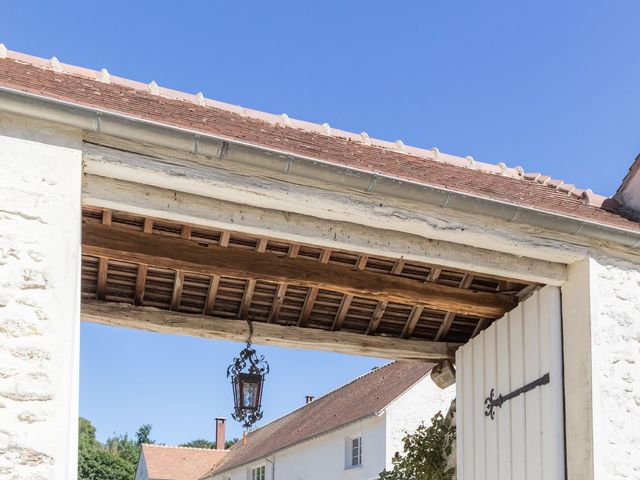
<point x="40" y="216"/>
<point x="323" y="457"/>
<point x="417" y="405"/>
<point x="601" y="316"/>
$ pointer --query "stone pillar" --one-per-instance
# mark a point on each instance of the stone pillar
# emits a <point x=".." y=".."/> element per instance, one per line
<point x="601" y="328"/>
<point x="40" y="228"/>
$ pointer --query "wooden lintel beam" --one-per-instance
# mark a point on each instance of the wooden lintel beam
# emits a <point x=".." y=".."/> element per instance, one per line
<point x="179" y="254"/>
<point x="177" y="323"/>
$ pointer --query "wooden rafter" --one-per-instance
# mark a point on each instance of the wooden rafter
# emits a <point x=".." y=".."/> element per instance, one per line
<point x="141" y="278"/>
<point x="282" y="288"/>
<point x="312" y="293"/>
<point x="347" y="299"/>
<point x="103" y="264"/>
<point x="178" y="283"/>
<point x="179" y="323"/>
<point x="381" y="307"/>
<point x="466" y="281"/>
<point x="173" y="253"/>
<point x="215" y="279"/>
<point x="412" y="321"/>
<point x="251" y="284"/>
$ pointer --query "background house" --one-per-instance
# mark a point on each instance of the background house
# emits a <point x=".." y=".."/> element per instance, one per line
<point x="349" y="433"/>
<point x="161" y="462"/>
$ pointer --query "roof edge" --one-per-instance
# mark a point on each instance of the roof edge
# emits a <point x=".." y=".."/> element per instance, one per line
<point x="284" y="120"/>
<point x="169" y="136"/>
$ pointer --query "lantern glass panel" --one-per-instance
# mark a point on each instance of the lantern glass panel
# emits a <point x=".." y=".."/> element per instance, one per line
<point x="248" y="391"/>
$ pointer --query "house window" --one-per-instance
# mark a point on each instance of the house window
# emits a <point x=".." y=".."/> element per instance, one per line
<point x="258" y="473"/>
<point x="354" y="452"/>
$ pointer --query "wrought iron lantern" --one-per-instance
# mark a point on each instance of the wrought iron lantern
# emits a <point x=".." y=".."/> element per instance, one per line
<point x="247" y="374"/>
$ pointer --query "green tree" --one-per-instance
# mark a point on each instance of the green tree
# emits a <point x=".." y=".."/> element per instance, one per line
<point x="425" y="453"/>
<point x="199" y="443"/>
<point x="204" y="443"/>
<point x="142" y="435"/>
<point x="96" y="462"/>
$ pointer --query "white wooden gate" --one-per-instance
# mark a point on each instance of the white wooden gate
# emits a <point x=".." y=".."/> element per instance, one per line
<point x="525" y="441"/>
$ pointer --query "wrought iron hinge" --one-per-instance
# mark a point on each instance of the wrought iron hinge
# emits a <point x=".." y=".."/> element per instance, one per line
<point x="490" y="402"/>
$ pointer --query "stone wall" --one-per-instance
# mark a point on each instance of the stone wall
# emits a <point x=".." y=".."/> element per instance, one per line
<point x="616" y="368"/>
<point x="40" y="214"/>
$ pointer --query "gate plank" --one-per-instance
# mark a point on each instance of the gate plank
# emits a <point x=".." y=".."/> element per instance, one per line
<point x="532" y="398"/>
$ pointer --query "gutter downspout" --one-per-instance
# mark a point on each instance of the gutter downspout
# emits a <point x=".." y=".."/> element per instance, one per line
<point x="192" y="142"/>
<point x="273" y="466"/>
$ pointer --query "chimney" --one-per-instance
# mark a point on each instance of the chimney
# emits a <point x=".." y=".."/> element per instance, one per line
<point x="308" y="399"/>
<point x="220" y="433"/>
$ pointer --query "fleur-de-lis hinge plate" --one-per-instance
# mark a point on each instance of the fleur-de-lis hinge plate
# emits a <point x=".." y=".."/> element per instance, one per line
<point x="492" y="402"/>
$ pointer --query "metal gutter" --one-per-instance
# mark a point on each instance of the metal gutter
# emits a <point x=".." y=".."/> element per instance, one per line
<point x="190" y="141"/>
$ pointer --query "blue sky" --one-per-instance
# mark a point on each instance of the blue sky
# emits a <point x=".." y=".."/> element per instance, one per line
<point x="549" y="85"/>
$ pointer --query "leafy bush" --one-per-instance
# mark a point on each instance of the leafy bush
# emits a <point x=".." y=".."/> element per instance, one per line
<point x="425" y="453"/>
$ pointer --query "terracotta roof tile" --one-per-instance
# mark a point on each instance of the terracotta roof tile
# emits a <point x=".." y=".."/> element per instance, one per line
<point x="363" y="397"/>
<point x="151" y="102"/>
<point x="179" y="463"/>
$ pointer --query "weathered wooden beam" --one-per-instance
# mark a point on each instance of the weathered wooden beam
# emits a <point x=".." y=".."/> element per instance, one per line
<point x="168" y="252"/>
<point x="176" y="323"/>
<point x="176" y="206"/>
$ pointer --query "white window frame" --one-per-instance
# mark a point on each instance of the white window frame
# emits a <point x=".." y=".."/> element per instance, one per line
<point x="257" y="473"/>
<point x="350" y="449"/>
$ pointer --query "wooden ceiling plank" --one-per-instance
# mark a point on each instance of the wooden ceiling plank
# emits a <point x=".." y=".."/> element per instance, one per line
<point x="179" y="323"/>
<point x="167" y="252"/>
<point x="347" y="299"/>
<point x="282" y="288"/>
<point x="313" y="292"/>
<point x="412" y="321"/>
